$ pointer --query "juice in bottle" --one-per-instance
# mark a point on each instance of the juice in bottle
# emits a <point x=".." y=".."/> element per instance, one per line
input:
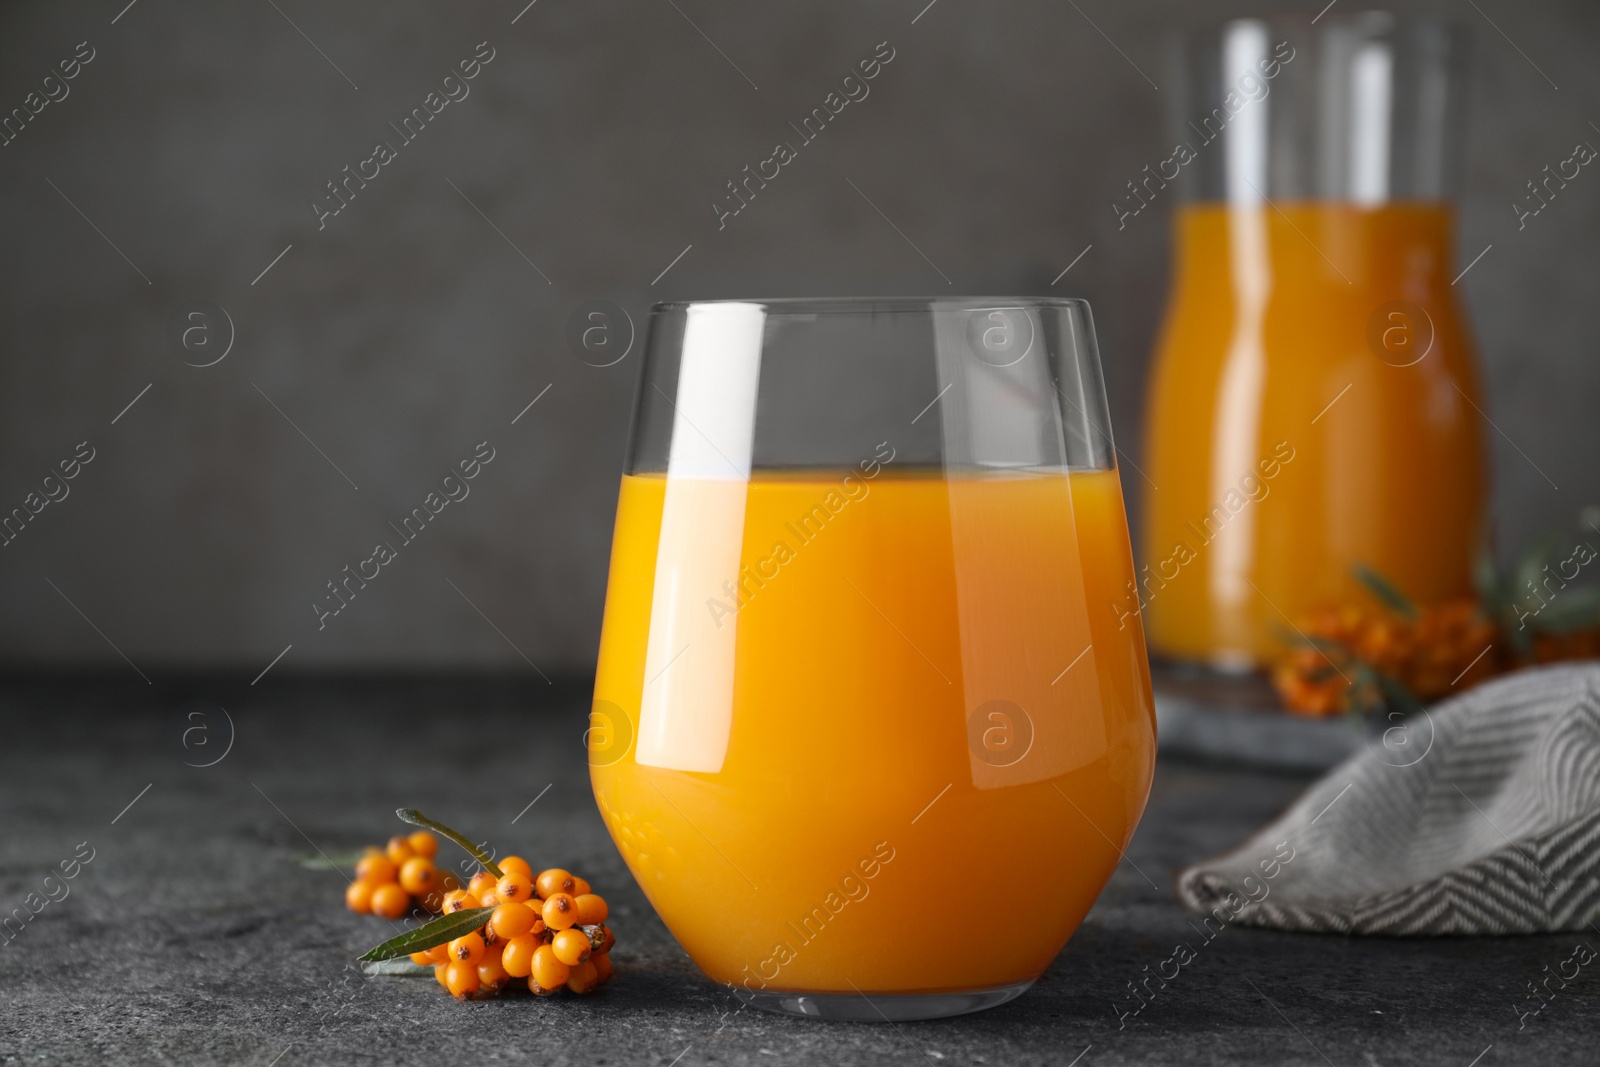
<point x="908" y="687"/>
<point x="1314" y="405"/>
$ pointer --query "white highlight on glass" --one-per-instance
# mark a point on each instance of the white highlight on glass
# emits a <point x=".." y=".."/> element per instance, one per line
<point x="1244" y="51"/>
<point x="686" y="709"/>
<point x="1371" y="112"/>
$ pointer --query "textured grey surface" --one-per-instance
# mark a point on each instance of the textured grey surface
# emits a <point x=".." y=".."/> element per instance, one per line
<point x="1270" y="739"/>
<point x="1239" y="718"/>
<point x="409" y="329"/>
<point x="193" y="938"/>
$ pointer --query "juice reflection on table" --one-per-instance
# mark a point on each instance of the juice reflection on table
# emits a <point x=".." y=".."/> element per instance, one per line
<point x="909" y="700"/>
<point x="1300" y="424"/>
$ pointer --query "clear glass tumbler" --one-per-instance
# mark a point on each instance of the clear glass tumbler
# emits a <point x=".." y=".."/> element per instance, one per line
<point x="860" y="646"/>
<point x="1314" y="403"/>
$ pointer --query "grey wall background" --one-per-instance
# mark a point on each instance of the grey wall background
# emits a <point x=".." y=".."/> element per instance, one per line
<point x="409" y="329"/>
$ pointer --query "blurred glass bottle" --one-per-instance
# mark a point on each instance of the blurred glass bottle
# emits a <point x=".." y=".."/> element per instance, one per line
<point x="1312" y="402"/>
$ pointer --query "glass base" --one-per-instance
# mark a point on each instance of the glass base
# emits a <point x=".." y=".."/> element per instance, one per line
<point x="882" y="1007"/>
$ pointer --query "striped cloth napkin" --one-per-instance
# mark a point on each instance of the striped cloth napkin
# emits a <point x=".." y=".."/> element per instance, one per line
<point x="1479" y="816"/>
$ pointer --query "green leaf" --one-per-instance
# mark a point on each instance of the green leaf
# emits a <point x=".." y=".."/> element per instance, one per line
<point x="1397" y="696"/>
<point x="1364" y="694"/>
<point x="1385" y="590"/>
<point x="403" y="967"/>
<point x="416" y="818"/>
<point x="1530" y="566"/>
<point x="1570" y="609"/>
<point x="1324" y="645"/>
<point x="1520" y="636"/>
<point x="431" y="934"/>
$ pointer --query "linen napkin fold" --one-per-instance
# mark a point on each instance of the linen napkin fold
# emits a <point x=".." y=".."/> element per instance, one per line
<point x="1478" y="816"/>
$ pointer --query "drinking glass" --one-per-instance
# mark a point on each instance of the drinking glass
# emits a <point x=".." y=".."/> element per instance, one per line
<point x="1315" y="403"/>
<point x="861" y="677"/>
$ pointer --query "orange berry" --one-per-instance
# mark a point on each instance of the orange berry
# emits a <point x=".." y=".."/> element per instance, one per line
<point x="602" y="939"/>
<point x="423" y="844"/>
<point x="468" y="948"/>
<point x="358" y="896"/>
<point x="376" y="868"/>
<point x="389" y="901"/>
<point x="440" y="973"/>
<point x="461" y="978"/>
<point x="418" y="876"/>
<point x="548" y="971"/>
<point x="482" y="882"/>
<point x="513" y="888"/>
<point x="516" y="864"/>
<point x="554" y="881"/>
<point x="602" y="967"/>
<point x="591" y="909"/>
<point x="560" y="911"/>
<point x="512" y="920"/>
<point x="491" y="972"/>
<point x="459" y="900"/>
<point x="584" y="978"/>
<point x="571" y="947"/>
<point x="580" y="887"/>
<point x="439" y="954"/>
<point x="422" y="959"/>
<point x="399" y="850"/>
<point x="517" y="957"/>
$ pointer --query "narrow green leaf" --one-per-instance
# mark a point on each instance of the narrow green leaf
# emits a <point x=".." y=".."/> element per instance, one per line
<point x="1571" y="609"/>
<point x="403" y="967"/>
<point x="1529" y="568"/>
<point x="1286" y="635"/>
<point x="416" y="818"/>
<point x="1385" y="590"/>
<point x="431" y="934"/>
<point x="1297" y="639"/>
<point x="1519" y="636"/>
<point x="1397" y="696"/>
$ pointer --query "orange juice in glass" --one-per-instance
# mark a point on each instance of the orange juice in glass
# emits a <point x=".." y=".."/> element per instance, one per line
<point x="859" y="650"/>
<point x="1314" y="403"/>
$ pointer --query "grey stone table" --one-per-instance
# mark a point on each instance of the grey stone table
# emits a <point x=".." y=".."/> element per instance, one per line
<point x="193" y="936"/>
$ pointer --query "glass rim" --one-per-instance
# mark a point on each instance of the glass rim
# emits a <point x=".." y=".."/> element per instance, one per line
<point x="845" y="305"/>
<point x="1202" y="31"/>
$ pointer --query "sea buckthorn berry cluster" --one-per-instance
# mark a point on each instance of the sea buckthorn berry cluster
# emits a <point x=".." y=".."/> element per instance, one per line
<point x="1437" y="650"/>
<point x="543" y="934"/>
<point x="542" y="943"/>
<point x="1385" y="651"/>
<point x="392" y="880"/>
